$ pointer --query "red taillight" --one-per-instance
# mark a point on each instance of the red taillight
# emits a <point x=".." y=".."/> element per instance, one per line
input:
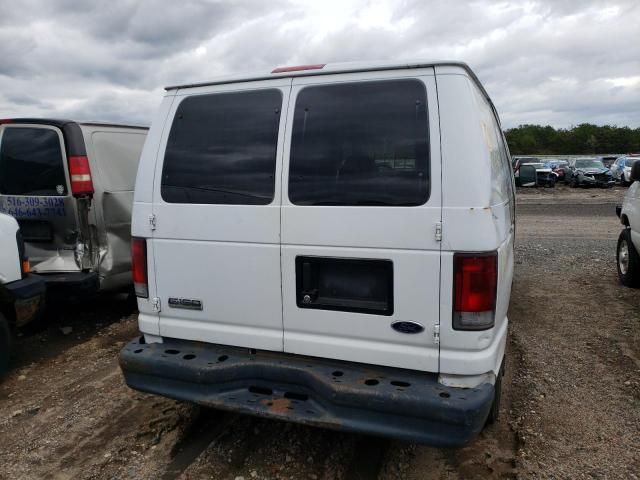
<point x="5" y="120"/>
<point x="81" y="183"/>
<point x="139" y="266"/>
<point x="474" y="290"/>
<point x="299" y="68"/>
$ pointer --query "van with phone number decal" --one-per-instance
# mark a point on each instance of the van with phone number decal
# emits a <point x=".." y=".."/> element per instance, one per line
<point x="70" y="186"/>
<point x="305" y="248"/>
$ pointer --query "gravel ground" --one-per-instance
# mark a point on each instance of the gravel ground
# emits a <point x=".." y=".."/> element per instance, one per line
<point x="571" y="405"/>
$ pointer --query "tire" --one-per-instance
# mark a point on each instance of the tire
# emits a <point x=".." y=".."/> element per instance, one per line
<point x="5" y="344"/>
<point x="494" y="413"/>
<point x="627" y="260"/>
<point x="574" y="182"/>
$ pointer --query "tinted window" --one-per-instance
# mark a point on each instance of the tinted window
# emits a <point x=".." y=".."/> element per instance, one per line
<point x="222" y="149"/>
<point x="31" y="162"/>
<point x="360" y="144"/>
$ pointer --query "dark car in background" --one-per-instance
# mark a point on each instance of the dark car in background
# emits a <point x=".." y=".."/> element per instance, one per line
<point x="544" y="176"/>
<point x="589" y="172"/>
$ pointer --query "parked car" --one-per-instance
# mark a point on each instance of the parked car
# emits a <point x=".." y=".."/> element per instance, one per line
<point x="544" y="177"/>
<point x="589" y="172"/>
<point x="621" y="168"/>
<point x="559" y="167"/>
<point x="22" y="295"/>
<point x="302" y="249"/>
<point x="607" y="160"/>
<point x="70" y="186"/>
<point x="627" y="256"/>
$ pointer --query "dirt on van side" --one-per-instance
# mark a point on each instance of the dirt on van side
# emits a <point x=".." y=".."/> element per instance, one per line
<point x="571" y="399"/>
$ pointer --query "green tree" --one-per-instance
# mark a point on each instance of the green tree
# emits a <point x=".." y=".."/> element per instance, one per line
<point x="585" y="138"/>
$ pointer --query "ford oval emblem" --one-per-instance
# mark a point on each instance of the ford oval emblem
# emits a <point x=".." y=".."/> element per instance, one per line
<point x="407" y="327"/>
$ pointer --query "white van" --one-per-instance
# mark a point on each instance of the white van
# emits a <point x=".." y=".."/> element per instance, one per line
<point x="70" y="186"/>
<point x="327" y="244"/>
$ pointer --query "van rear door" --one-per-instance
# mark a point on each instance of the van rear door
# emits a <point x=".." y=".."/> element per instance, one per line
<point x="216" y="201"/>
<point x="34" y="188"/>
<point x="360" y="217"/>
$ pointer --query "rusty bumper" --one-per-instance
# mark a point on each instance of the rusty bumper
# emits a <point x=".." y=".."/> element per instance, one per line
<point x="397" y="403"/>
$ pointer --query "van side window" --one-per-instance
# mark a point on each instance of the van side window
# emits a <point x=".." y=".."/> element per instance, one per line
<point x="364" y="143"/>
<point x="222" y="149"/>
<point x="31" y="162"/>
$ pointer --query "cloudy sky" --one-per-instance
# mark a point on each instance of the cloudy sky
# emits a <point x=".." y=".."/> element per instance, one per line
<point x="550" y="62"/>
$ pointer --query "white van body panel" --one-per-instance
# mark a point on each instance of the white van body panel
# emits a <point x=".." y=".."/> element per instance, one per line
<point x="240" y="259"/>
<point x="113" y="154"/>
<point x="404" y="235"/>
<point x="631" y="212"/>
<point x="9" y="255"/>
<point x="45" y="257"/>
<point x="227" y="256"/>
<point x="477" y="216"/>
<point x="148" y="318"/>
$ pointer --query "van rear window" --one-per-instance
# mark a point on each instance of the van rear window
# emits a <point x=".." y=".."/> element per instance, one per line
<point x="222" y="149"/>
<point x="363" y="143"/>
<point x="31" y="162"/>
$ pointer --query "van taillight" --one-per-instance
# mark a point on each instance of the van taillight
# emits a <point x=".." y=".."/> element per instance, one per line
<point x="139" y="266"/>
<point x="475" y="282"/>
<point x="25" y="266"/>
<point x="81" y="183"/>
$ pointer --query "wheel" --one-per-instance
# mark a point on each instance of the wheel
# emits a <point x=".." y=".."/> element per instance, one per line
<point x="494" y="413"/>
<point x="627" y="260"/>
<point x="574" y="182"/>
<point x="5" y="344"/>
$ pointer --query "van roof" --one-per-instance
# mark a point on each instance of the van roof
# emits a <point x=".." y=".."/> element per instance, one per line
<point x="58" y="122"/>
<point x="329" y="69"/>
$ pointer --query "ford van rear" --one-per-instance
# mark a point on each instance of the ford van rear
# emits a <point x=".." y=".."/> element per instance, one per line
<point x="305" y="248"/>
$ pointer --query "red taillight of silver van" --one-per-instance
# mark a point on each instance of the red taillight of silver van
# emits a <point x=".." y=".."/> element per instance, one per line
<point x="81" y="182"/>
<point x="475" y="281"/>
<point x="139" y="266"/>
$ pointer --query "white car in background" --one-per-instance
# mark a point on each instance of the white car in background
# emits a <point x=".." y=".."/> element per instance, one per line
<point x="627" y="256"/>
<point x="621" y="168"/>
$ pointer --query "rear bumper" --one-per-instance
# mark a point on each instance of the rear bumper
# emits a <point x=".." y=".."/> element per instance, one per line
<point x="28" y="297"/>
<point x="79" y="283"/>
<point x="390" y="402"/>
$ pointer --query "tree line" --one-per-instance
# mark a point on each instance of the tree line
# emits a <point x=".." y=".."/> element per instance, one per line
<point x="581" y="139"/>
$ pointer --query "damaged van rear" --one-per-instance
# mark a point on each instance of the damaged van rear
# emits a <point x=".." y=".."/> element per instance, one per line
<point x="70" y="187"/>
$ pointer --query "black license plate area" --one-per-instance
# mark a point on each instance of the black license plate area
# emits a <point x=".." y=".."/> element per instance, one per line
<point x="345" y="284"/>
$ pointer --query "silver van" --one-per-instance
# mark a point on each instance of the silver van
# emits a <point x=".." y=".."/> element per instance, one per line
<point x="70" y="186"/>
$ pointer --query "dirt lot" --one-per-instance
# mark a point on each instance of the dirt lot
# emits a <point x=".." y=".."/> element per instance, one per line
<point x="571" y="406"/>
